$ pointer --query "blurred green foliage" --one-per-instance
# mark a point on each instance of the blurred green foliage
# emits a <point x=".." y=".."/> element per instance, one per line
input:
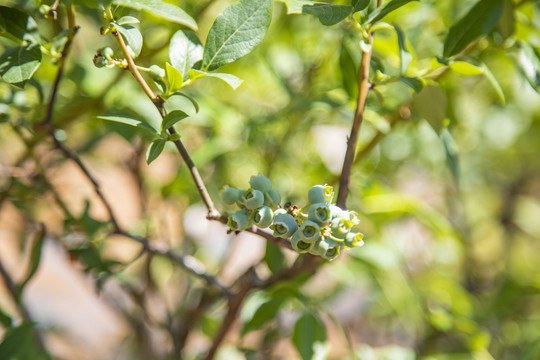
<point x="447" y="181"/>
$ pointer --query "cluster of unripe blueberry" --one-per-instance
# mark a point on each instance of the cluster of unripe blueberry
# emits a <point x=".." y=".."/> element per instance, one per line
<point x="319" y="228"/>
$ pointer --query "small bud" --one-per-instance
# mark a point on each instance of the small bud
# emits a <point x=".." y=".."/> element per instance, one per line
<point x="319" y="213"/>
<point x="354" y="240"/>
<point x="252" y="199"/>
<point x="263" y="217"/>
<point x="309" y="231"/>
<point x="156" y="73"/>
<point x="104" y="30"/>
<point x="239" y="221"/>
<point x="300" y="245"/>
<point x="284" y="225"/>
<point x="340" y="227"/>
<point x="230" y="195"/>
<point x="320" y="194"/>
<point x="261" y="183"/>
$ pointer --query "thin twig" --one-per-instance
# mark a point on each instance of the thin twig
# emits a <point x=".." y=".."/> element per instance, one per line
<point x="61" y="62"/>
<point x="158" y="102"/>
<point x="363" y="88"/>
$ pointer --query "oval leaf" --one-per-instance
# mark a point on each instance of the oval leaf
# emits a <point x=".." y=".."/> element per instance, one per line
<point x="175" y="79"/>
<point x="172" y="118"/>
<point x="154" y="150"/>
<point x="360" y="5"/>
<point x="161" y="9"/>
<point x="18" y="64"/>
<point x="308" y="331"/>
<point x="480" y="20"/>
<point x="17" y="25"/>
<point x="328" y="14"/>
<point x="133" y="38"/>
<point x="184" y="51"/>
<point x="264" y="313"/>
<point x="382" y="11"/>
<point x="230" y="79"/>
<point x="236" y="31"/>
<point x="465" y="68"/>
<point x="128" y="121"/>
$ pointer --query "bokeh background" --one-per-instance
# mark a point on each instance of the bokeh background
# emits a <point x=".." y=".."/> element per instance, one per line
<point x="447" y="186"/>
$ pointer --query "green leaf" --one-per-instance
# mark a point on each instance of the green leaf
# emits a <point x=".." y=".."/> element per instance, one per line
<point x="18" y="64"/>
<point x="386" y="9"/>
<point x="154" y="150"/>
<point x="172" y="118"/>
<point x="295" y="6"/>
<point x="174" y="78"/>
<point x="431" y="104"/>
<point x="450" y="149"/>
<point x="17" y="25"/>
<point x="480" y="20"/>
<point x="236" y="31"/>
<point x="529" y="64"/>
<point x="266" y="312"/>
<point x="5" y="320"/>
<point x="465" y="68"/>
<point x="192" y="100"/>
<point x="405" y="56"/>
<point x="127" y="20"/>
<point x="161" y="9"/>
<point x="328" y="14"/>
<point x="129" y="121"/>
<point x="230" y="79"/>
<point x="359" y="5"/>
<point x="308" y="331"/>
<point x="507" y="22"/>
<point x="133" y="38"/>
<point x="35" y="258"/>
<point x="274" y="257"/>
<point x="19" y="343"/>
<point x="414" y="83"/>
<point x="184" y="51"/>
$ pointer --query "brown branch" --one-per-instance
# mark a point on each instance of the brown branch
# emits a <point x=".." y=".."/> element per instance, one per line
<point x="363" y="88"/>
<point x="61" y="64"/>
<point x="158" y="102"/>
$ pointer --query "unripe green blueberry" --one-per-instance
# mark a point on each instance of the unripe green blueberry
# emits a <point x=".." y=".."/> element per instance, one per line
<point x="309" y="231"/>
<point x="332" y="253"/>
<point x="107" y="52"/>
<point x="320" y="247"/>
<point x="279" y="211"/>
<point x="354" y="240"/>
<point x="230" y="195"/>
<point x="263" y="217"/>
<point x="300" y="245"/>
<point x="156" y="73"/>
<point x="320" y="194"/>
<point x="340" y="227"/>
<point x="252" y="199"/>
<point x="239" y="221"/>
<point x="272" y="198"/>
<point x="100" y="61"/>
<point x="337" y="212"/>
<point x="284" y="225"/>
<point x="319" y="213"/>
<point x="261" y="183"/>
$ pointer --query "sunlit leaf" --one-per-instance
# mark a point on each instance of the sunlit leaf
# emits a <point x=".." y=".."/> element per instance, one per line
<point x="133" y="38"/>
<point x="18" y="64"/>
<point x="162" y="9"/>
<point x="328" y="14"/>
<point x="236" y="32"/>
<point x="230" y="79"/>
<point x="479" y="21"/>
<point x="386" y="9"/>
<point x="128" y="121"/>
<point x="172" y="118"/>
<point x="174" y="78"/>
<point x="185" y="50"/>
<point x="17" y="26"/>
